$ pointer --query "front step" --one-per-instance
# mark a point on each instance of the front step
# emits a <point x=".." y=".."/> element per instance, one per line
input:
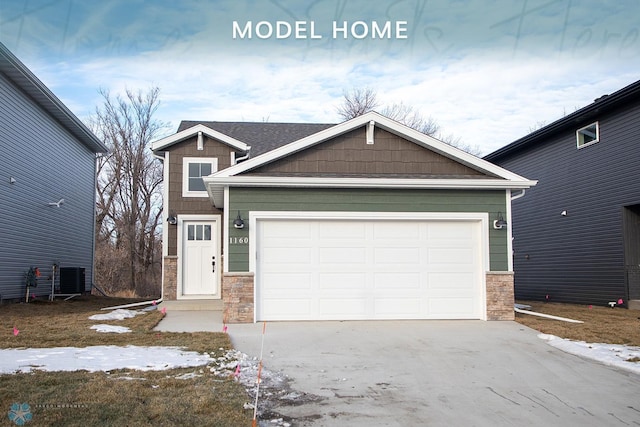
<point x="193" y="305"/>
<point x="634" y="304"/>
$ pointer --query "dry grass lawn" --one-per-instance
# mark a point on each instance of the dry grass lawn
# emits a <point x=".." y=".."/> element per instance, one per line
<point x="601" y="324"/>
<point x="157" y="398"/>
<point x="161" y="398"/>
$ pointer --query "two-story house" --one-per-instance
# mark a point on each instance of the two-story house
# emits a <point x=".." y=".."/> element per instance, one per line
<point x="577" y="233"/>
<point x="365" y="219"/>
<point x="47" y="187"/>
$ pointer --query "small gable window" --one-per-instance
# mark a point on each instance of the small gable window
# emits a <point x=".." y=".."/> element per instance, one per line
<point x="193" y="169"/>
<point x="588" y="135"/>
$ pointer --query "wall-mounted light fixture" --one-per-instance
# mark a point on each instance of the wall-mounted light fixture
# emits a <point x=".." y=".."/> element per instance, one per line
<point x="238" y="222"/>
<point x="172" y="220"/>
<point x="499" y="223"/>
<point x="12" y="180"/>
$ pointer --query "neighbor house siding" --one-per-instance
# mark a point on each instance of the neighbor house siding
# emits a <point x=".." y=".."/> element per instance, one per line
<point x="246" y="200"/>
<point x="48" y="164"/>
<point x="578" y="257"/>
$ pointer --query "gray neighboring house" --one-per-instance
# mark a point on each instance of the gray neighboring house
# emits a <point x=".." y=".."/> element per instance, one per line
<point x="577" y="233"/>
<point x="48" y="155"/>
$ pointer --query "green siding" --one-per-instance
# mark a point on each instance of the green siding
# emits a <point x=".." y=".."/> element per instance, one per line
<point x="290" y="199"/>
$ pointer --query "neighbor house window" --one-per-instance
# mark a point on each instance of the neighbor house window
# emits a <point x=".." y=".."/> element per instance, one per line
<point x="193" y="169"/>
<point x="588" y="135"/>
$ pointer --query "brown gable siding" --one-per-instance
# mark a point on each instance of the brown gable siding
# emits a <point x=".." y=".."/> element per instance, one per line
<point x="349" y="155"/>
<point x="191" y="205"/>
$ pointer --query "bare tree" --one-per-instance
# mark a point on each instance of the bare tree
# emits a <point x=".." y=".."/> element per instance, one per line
<point x="129" y="197"/>
<point x="357" y="102"/>
<point x="411" y="117"/>
<point x="360" y="101"/>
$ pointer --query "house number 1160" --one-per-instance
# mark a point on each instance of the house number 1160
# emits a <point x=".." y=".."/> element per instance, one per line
<point x="238" y="240"/>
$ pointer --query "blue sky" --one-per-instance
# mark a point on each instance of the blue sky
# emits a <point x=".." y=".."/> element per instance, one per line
<point x="486" y="70"/>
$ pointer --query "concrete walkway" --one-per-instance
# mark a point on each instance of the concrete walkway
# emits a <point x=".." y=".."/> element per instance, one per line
<point x="440" y="373"/>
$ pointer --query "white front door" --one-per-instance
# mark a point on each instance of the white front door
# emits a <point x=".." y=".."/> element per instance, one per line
<point x="200" y="259"/>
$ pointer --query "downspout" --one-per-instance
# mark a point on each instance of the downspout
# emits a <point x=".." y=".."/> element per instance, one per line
<point x="517" y="196"/>
<point x="245" y="157"/>
<point x="93" y="238"/>
<point x="164" y="230"/>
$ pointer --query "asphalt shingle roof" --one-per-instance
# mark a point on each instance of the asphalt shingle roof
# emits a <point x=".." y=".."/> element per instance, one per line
<point x="262" y="137"/>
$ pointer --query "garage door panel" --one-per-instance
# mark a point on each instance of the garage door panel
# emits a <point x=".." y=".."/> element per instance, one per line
<point x="448" y="281"/>
<point x="285" y="309"/>
<point x="283" y="257"/>
<point x="333" y="281"/>
<point x="369" y="269"/>
<point x="394" y="231"/>
<point x="342" y="308"/>
<point x="450" y="256"/>
<point x="342" y="255"/>
<point x="286" y="282"/>
<point x="449" y="231"/>
<point x="288" y="230"/>
<point x="397" y="281"/>
<point x="451" y="308"/>
<point x="400" y="255"/>
<point x="341" y="230"/>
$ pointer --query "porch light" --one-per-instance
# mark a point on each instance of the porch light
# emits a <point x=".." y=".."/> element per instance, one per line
<point x="499" y="223"/>
<point x="172" y="220"/>
<point x="238" y="222"/>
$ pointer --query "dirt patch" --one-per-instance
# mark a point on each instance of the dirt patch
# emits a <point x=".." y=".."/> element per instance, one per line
<point x="275" y="388"/>
<point x="601" y="324"/>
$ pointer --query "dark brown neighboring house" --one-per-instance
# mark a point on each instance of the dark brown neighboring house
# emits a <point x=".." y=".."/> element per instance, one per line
<point x="366" y="219"/>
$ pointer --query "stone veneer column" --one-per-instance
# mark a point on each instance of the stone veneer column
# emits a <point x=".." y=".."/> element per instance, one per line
<point x="170" y="278"/>
<point x="237" y="297"/>
<point x="500" y="296"/>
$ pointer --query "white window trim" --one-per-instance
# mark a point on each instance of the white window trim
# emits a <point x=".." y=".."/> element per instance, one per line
<point x="185" y="174"/>
<point x="595" y="141"/>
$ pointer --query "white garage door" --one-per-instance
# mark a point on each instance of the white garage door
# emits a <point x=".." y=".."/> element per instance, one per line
<point x="366" y="269"/>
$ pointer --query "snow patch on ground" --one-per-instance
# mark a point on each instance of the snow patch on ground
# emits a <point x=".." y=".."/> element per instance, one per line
<point x="608" y="354"/>
<point x="111" y="329"/>
<point x="119" y="314"/>
<point x="98" y="358"/>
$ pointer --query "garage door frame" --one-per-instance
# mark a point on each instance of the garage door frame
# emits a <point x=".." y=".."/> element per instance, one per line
<point x="256" y="216"/>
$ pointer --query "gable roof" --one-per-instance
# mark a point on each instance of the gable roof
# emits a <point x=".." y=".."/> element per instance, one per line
<point x="499" y="178"/>
<point x="24" y="79"/>
<point x="162" y="144"/>
<point x="573" y="121"/>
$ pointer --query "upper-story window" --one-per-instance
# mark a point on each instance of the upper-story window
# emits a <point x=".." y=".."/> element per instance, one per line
<point x="193" y="169"/>
<point x="588" y="135"/>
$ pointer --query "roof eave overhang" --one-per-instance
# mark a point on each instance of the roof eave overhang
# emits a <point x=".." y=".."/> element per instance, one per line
<point x="21" y="76"/>
<point x="216" y="185"/>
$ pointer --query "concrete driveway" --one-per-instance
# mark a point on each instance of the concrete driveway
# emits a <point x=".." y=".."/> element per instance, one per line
<point x="436" y="373"/>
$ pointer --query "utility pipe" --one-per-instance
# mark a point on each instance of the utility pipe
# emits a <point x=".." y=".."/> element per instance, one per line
<point x="135" y="304"/>
<point x="548" y="316"/>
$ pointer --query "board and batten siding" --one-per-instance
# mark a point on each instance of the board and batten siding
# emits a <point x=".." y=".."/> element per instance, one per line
<point x="48" y="164"/>
<point x="351" y="200"/>
<point x="578" y="257"/>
